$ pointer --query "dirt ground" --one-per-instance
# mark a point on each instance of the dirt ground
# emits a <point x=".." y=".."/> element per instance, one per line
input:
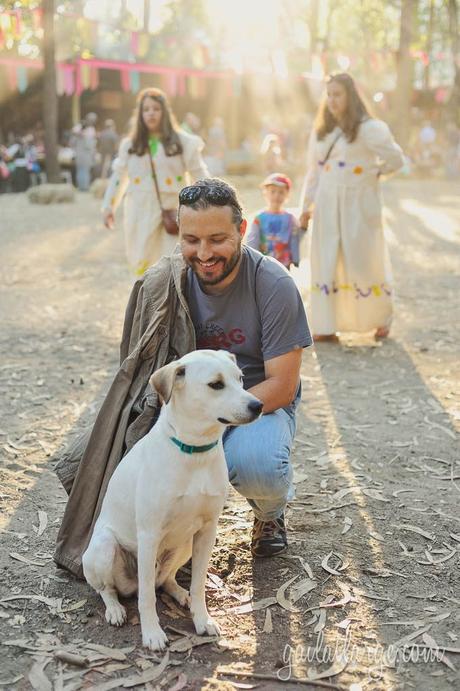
<point x="368" y="595"/>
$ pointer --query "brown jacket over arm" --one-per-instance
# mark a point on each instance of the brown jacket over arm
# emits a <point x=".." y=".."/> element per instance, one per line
<point x="157" y="329"/>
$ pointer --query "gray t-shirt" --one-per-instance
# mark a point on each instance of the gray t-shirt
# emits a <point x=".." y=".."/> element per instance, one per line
<point x="258" y="317"/>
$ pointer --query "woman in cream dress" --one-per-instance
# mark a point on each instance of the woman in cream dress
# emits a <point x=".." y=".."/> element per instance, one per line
<point x="351" y="281"/>
<point x="176" y="156"/>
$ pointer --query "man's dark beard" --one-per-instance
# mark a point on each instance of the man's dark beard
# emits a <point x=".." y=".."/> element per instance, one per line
<point x="228" y="268"/>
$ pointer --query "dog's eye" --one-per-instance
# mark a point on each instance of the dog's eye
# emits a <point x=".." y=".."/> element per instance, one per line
<point x="216" y="385"/>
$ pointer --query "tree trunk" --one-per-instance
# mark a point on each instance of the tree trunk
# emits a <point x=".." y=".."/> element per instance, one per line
<point x="50" y="101"/>
<point x="313" y="25"/>
<point x="328" y="65"/>
<point x="146" y="21"/>
<point x="404" y="73"/>
<point x="428" y="47"/>
<point x="454" y="101"/>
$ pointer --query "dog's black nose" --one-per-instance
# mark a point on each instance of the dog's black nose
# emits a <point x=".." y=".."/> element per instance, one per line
<point x="255" y="407"/>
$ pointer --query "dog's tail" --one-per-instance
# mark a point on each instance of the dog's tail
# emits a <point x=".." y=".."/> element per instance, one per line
<point x="125" y="573"/>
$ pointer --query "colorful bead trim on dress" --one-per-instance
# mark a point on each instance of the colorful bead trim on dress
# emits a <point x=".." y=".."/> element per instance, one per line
<point x="376" y="290"/>
<point x="357" y="170"/>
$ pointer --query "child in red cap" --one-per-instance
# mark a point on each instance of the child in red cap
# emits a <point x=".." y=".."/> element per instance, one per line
<point x="274" y="231"/>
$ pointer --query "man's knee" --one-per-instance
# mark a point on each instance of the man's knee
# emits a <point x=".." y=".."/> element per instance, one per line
<point x="256" y="474"/>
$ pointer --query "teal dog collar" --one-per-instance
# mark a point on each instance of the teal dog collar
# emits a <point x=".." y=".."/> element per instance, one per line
<point x="187" y="448"/>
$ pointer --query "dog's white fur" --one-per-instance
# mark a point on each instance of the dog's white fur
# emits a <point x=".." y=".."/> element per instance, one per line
<point x="162" y="505"/>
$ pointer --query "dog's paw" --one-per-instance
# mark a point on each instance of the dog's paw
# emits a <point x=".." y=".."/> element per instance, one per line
<point x="180" y="595"/>
<point x="115" y="614"/>
<point x="154" y="639"/>
<point x="206" y="625"/>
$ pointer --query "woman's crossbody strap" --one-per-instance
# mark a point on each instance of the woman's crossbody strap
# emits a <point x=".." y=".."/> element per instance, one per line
<point x="329" y="151"/>
<point x="155" y="180"/>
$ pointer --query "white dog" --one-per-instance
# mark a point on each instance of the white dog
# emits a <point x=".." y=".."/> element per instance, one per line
<point x="165" y="497"/>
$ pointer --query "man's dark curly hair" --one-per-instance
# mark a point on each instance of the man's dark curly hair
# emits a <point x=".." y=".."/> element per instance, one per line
<point x="212" y="192"/>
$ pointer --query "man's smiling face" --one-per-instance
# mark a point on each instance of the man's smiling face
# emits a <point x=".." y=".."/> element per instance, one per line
<point x="211" y="245"/>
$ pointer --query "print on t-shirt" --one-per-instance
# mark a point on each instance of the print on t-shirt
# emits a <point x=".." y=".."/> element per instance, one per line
<point x="211" y="335"/>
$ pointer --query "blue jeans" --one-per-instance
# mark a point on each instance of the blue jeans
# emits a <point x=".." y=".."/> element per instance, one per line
<point x="258" y="461"/>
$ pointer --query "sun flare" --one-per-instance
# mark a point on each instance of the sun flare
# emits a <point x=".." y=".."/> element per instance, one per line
<point x="249" y="32"/>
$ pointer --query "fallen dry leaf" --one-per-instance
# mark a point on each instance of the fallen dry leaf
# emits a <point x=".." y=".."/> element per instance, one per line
<point x="54" y="603"/>
<point x="253" y="606"/>
<point x="418" y="622"/>
<point x="330" y="508"/>
<point x="37" y="677"/>
<point x="444" y="429"/>
<point x="303" y="587"/>
<point x="429" y="641"/>
<point x="281" y="596"/>
<point x="29" y="562"/>
<point x="340" y="566"/>
<point x="337" y="667"/>
<point x="430" y="561"/>
<point x="302" y="561"/>
<point x="9" y="683"/>
<point x="268" y="625"/>
<point x="74" y="606"/>
<point x="344" y="624"/>
<point x="414" y="529"/>
<point x="149" y="675"/>
<point x="299" y="477"/>
<point x="181" y="683"/>
<point x="71" y="658"/>
<point x="112" y="653"/>
<point x="341" y="493"/>
<point x="42" y="522"/>
<point x="400" y="491"/>
<point x="323" y="615"/>
<point x="347" y="523"/>
<point x="376" y="536"/>
<point x="375" y="494"/>
<point x="347" y="597"/>
<point x="181" y="645"/>
<point x="410" y="637"/>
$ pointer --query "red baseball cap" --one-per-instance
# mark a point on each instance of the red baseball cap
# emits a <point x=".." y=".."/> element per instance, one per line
<point x="277" y="179"/>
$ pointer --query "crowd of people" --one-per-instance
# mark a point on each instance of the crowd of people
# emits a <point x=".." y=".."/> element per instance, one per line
<point x="87" y="152"/>
<point x="20" y="161"/>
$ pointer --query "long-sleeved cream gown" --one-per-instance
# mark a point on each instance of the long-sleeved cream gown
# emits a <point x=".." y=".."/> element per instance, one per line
<point x="351" y="279"/>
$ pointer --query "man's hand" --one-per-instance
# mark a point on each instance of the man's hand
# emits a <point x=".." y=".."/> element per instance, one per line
<point x="108" y="219"/>
<point x="281" y="381"/>
<point x="304" y="219"/>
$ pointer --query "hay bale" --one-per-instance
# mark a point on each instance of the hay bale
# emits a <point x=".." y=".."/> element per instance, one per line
<point x="98" y="187"/>
<point x="51" y="194"/>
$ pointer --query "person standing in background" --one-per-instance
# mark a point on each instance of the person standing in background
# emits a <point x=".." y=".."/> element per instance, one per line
<point x="350" y="268"/>
<point x="157" y="145"/>
<point x="108" y="146"/>
<point x="275" y="232"/>
<point x="191" y="123"/>
<point x="83" y="142"/>
<point x="270" y="150"/>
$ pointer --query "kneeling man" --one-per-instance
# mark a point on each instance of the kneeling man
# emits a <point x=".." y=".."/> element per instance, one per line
<point x="217" y="293"/>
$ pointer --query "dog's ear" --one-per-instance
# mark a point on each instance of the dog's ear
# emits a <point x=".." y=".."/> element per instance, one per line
<point x="230" y="355"/>
<point x="164" y="379"/>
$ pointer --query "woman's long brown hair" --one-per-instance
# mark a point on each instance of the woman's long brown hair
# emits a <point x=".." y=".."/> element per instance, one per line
<point x="169" y="135"/>
<point x="357" y="110"/>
